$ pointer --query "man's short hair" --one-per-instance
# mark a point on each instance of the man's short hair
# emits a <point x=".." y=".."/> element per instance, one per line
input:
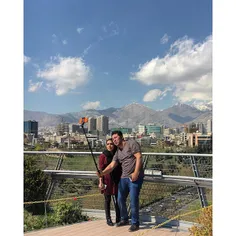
<point x="118" y="132"/>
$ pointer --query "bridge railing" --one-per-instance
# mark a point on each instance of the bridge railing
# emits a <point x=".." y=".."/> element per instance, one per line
<point x="169" y="163"/>
<point x="170" y="186"/>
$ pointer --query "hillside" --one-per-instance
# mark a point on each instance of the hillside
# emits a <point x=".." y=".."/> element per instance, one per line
<point x="128" y="116"/>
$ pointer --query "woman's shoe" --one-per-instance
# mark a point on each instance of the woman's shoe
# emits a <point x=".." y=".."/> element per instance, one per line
<point x="109" y="222"/>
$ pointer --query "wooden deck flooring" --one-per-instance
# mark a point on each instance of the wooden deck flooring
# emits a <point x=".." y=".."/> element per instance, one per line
<point x="100" y="228"/>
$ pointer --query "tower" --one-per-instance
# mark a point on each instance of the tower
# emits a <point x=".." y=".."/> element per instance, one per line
<point x="92" y="124"/>
<point x="102" y="124"/>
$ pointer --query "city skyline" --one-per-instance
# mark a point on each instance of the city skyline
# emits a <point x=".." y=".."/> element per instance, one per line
<point x="96" y="55"/>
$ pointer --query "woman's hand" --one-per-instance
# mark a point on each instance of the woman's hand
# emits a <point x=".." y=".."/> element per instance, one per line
<point x="101" y="186"/>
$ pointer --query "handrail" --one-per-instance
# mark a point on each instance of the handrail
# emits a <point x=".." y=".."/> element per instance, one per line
<point x="143" y="153"/>
<point x="149" y="176"/>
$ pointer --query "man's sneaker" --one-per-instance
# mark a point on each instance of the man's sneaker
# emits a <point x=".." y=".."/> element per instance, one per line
<point x="133" y="228"/>
<point x="122" y="223"/>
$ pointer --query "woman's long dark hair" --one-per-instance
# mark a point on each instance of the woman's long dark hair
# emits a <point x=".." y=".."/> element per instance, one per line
<point x="109" y="154"/>
<point x="116" y="173"/>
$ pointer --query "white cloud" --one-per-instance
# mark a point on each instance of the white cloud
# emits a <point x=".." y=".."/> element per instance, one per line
<point x="112" y="29"/>
<point x="65" y="74"/>
<point x="153" y="94"/>
<point x="58" y="40"/>
<point x="85" y="52"/>
<point x="64" y="42"/>
<point x="164" y="93"/>
<point x="33" y="87"/>
<point x="54" y="38"/>
<point x="26" y="59"/>
<point x="105" y="73"/>
<point x="104" y="28"/>
<point x="114" y="32"/>
<point x="165" y="39"/>
<point x="187" y="67"/>
<point x="79" y="30"/>
<point x="48" y="87"/>
<point x="201" y="90"/>
<point x="91" y="105"/>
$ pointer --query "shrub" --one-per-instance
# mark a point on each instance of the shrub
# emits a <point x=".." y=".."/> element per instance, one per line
<point x="32" y="222"/>
<point x="204" y="227"/>
<point x="67" y="213"/>
<point x="62" y="213"/>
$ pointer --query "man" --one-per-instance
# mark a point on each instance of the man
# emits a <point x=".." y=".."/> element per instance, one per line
<point x="129" y="155"/>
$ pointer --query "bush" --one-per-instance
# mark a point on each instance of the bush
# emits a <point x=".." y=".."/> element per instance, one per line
<point x="204" y="227"/>
<point x="67" y="213"/>
<point x="32" y="222"/>
<point x="62" y="213"/>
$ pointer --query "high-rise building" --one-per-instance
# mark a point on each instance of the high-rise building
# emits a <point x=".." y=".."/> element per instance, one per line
<point x="102" y="124"/>
<point x="152" y="128"/>
<point x="202" y="140"/>
<point x="201" y="128"/>
<point x="62" y="128"/>
<point x="31" y="127"/>
<point x="192" y="127"/>
<point x="209" y="126"/>
<point x="73" y="128"/>
<point x="142" y="129"/>
<point x="92" y="124"/>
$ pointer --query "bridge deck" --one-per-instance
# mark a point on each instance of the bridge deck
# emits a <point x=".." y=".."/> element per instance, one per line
<point x="100" y="228"/>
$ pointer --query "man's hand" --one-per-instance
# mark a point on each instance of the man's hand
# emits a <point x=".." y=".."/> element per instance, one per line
<point x="99" y="174"/>
<point x="134" y="176"/>
<point x="138" y="166"/>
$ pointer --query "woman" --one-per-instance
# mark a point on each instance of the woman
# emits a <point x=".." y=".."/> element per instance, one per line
<point x="109" y="183"/>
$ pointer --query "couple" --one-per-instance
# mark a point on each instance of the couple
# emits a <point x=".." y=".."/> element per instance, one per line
<point x="126" y="154"/>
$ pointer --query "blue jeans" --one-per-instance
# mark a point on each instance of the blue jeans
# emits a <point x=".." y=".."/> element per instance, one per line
<point x="126" y="187"/>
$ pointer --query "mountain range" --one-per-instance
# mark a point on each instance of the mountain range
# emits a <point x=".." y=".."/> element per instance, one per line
<point x="129" y="116"/>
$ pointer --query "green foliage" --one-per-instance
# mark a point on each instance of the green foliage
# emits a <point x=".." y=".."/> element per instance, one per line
<point x="32" y="222"/>
<point x="62" y="213"/>
<point x="38" y="147"/>
<point x="67" y="213"/>
<point x="35" y="185"/>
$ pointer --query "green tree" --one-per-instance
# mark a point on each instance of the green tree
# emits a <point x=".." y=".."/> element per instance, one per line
<point x="35" y="185"/>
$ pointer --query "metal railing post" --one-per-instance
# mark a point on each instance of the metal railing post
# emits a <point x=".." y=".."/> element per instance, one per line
<point x="200" y="190"/>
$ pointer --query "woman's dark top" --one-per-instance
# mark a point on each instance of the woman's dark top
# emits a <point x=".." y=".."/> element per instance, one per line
<point x="112" y="179"/>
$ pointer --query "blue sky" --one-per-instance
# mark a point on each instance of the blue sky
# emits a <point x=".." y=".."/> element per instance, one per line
<point x="99" y="54"/>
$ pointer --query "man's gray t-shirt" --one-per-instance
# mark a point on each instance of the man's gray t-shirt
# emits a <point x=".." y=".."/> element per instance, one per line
<point x="126" y="157"/>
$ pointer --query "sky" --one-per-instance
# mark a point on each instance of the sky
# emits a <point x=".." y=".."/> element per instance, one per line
<point x="89" y="54"/>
